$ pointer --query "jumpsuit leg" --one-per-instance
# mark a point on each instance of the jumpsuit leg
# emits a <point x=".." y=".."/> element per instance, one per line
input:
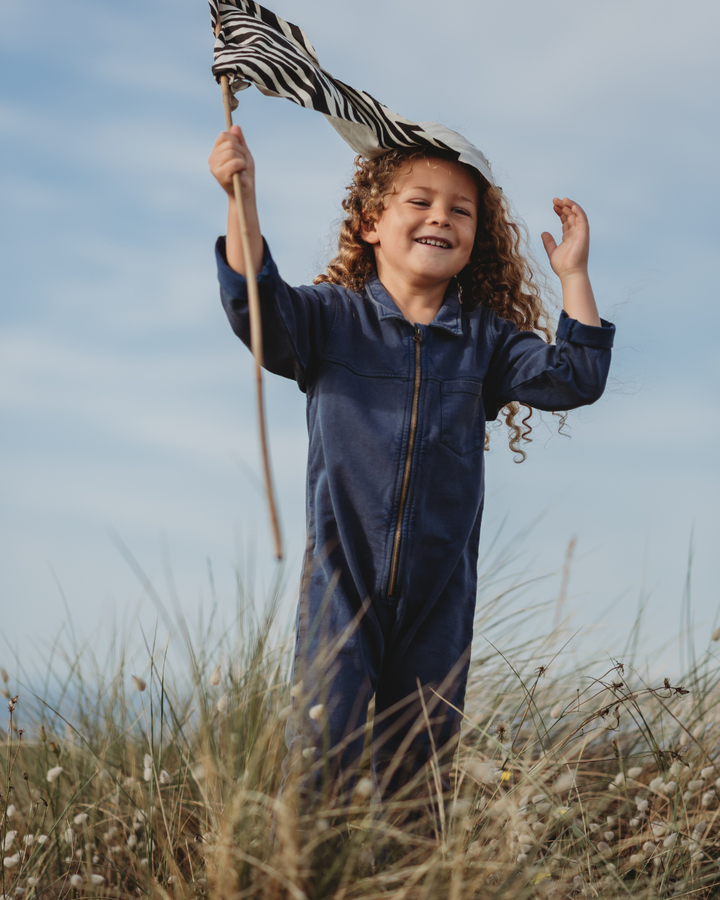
<point x="338" y="656"/>
<point x="437" y="656"/>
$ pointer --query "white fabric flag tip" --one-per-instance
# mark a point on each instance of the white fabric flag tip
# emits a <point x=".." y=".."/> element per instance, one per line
<point x="254" y="46"/>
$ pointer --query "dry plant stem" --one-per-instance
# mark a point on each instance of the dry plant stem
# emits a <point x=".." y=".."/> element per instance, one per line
<point x="435" y="767"/>
<point x="255" y="334"/>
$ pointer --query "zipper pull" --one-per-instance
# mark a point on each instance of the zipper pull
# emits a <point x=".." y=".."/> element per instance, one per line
<point x="417" y="337"/>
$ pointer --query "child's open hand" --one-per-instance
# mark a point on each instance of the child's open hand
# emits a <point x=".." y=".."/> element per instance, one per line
<point x="570" y="257"/>
<point x="229" y="155"/>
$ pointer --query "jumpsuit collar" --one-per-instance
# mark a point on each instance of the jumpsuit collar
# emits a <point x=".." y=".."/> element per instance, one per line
<point x="449" y="315"/>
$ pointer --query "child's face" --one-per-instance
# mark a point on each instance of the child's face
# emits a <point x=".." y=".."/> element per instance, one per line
<point x="426" y="231"/>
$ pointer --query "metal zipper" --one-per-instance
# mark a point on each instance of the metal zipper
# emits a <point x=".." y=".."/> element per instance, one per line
<point x="417" y="338"/>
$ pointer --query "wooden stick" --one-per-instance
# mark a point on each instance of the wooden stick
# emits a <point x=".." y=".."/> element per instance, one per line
<point x="255" y="326"/>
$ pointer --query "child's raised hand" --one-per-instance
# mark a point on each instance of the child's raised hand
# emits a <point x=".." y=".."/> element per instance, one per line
<point x="229" y="155"/>
<point x="570" y="256"/>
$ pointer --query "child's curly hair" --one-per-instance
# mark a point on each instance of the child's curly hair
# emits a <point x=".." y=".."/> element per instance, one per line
<point x="498" y="276"/>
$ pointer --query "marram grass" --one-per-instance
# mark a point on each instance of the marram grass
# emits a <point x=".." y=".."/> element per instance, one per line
<point x="568" y="783"/>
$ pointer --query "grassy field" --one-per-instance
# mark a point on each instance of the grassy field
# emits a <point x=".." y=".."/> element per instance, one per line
<point x="572" y="779"/>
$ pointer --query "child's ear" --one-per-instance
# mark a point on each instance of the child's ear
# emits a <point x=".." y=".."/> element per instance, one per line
<point x="368" y="232"/>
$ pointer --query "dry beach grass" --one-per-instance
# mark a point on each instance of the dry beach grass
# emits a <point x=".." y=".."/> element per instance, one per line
<point x="572" y="779"/>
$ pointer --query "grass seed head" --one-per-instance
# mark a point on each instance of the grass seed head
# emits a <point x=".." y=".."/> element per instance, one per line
<point x="364" y="787"/>
<point x="460" y="808"/>
<point x="139" y="684"/>
<point x="9" y="840"/>
<point x="564" y="783"/>
<point x="215" y="676"/>
<point x="484" y="772"/>
<point x="54" y="773"/>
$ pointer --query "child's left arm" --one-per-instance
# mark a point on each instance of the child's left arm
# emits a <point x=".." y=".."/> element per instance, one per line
<point x="569" y="260"/>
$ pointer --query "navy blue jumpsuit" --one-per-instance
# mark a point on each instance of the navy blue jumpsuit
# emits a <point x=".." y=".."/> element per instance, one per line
<point x="396" y="417"/>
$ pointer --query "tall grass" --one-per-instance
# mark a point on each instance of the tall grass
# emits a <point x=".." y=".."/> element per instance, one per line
<point x="572" y="779"/>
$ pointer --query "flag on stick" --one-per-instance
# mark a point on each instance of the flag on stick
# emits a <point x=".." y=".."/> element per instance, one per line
<point x="254" y="46"/>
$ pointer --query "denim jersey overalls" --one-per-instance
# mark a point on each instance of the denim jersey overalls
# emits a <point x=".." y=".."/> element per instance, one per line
<point x="396" y="417"/>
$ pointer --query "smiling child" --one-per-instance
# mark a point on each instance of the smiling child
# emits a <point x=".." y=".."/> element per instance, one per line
<point x="426" y="326"/>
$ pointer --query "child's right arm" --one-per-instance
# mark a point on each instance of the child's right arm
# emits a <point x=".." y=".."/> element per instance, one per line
<point x="229" y="155"/>
<point x="297" y="322"/>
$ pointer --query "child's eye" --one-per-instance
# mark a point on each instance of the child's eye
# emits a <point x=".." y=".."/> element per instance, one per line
<point x="420" y="202"/>
<point x="463" y="212"/>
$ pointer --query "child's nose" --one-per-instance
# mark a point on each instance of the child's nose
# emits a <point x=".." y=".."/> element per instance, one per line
<point x="439" y="216"/>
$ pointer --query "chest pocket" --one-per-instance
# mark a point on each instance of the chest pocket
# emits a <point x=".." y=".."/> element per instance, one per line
<point x="461" y="426"/>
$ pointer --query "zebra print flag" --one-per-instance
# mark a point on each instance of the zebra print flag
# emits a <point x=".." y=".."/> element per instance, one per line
<point x="254" y="46"/>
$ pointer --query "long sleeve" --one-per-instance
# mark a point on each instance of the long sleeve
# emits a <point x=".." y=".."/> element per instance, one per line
<point x="296" y="322"/>
<point x="571" y="372"/>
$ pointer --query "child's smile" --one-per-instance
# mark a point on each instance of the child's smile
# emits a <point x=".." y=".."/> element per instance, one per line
<point x="426" y="232"/>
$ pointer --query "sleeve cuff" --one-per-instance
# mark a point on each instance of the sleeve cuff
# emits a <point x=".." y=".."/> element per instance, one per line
<point x="232" y="282"/>
<point x="575" y="332"/>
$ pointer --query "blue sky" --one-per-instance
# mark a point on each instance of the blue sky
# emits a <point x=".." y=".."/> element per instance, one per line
<point x="126" y="404"/>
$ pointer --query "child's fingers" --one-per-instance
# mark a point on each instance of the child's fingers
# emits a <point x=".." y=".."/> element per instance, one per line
<point x="233" y="138"/>
<point x="228" y="151"/>
<point x="549" y="243"/>
<point x="568" y="207"/>
<point x="237" y="132"/>
<point x="230" y="156"/>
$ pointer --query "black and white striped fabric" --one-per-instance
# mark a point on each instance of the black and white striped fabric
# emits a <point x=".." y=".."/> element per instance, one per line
<point x="254" y="46"/>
